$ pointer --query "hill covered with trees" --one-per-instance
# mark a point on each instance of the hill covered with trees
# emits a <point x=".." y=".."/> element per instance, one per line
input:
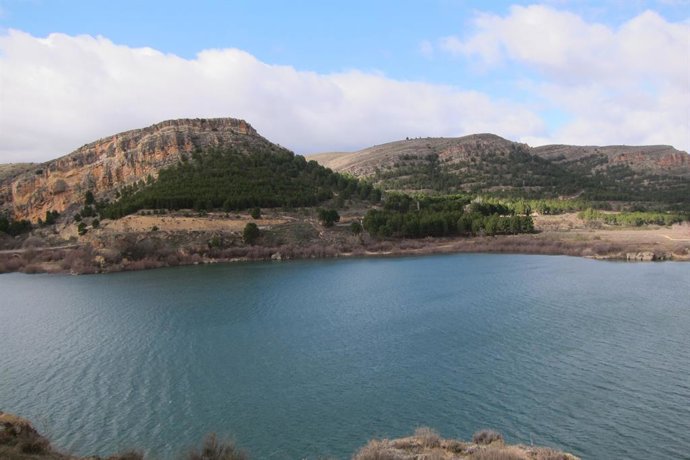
<point x="656" y="177"/>
<point x="233" y="180"/>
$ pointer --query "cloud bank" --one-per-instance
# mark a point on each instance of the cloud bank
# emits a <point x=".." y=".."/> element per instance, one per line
<point x="630" y="84"/>
<point x="63" y="91"/>
<point x="624" y="85"/>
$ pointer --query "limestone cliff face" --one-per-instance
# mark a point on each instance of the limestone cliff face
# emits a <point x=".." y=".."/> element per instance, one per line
<point x="107" y="164"/>
<point x="662" y="159"/>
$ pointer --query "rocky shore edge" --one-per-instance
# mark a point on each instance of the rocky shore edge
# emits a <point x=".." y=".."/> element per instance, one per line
<point x="19" y="440"/>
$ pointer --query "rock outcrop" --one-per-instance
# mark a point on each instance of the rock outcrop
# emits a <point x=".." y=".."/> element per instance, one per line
<point x="650" y="158"/>
<point x="110" y="163"/>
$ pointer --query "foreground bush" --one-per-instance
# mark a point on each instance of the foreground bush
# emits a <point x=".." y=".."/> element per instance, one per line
<point x="213" y="449"/>
<point x="20" y="441"/>
<point x="486" y="437"/>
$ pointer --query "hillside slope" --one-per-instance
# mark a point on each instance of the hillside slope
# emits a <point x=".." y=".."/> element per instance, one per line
<point x="486" y="163"/>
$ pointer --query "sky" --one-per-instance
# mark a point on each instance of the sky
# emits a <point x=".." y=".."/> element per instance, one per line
<point x="319" y="76"/>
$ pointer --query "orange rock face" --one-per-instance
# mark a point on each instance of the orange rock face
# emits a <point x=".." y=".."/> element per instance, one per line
<point x="110" y="163"/>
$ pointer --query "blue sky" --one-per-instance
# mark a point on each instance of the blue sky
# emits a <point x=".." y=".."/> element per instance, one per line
<point x="319" y="76"/>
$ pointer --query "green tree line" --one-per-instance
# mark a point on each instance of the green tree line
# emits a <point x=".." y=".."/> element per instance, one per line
<point x="229" y="179"/>
<point x="404" y="216"/>
<point x="636" y="219"/>
<point x="14" y="227"/>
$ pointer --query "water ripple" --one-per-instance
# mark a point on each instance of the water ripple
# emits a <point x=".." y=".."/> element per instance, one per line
<point x="314" y="358"/>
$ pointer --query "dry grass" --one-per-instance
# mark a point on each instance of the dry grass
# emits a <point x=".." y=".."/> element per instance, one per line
<point x="214" y="449"/>
<point x="427" y="437"/>
<point x="503" y="453"/>
<point x="381" y="450"/>
<point x="177" y="223"/>
<point x="486" y="437"/>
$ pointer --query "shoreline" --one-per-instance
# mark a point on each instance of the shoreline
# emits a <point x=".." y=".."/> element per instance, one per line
<point x="82" y="259"/>
<point x="140" y="242"/>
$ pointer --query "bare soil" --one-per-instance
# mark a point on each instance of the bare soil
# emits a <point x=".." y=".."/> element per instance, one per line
<point x="211" y="222"/>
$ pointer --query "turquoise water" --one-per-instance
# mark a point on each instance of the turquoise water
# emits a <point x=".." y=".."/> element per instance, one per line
<point x="313" y="358"/>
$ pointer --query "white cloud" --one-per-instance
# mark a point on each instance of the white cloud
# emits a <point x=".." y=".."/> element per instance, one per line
<point x="629" y="84"/>
<point x="59" y="92"/>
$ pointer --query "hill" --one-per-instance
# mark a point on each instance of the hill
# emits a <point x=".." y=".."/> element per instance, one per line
<point x="202" y="191"/>
<point x="486" y="163"/>
<point x="108" y="164"/>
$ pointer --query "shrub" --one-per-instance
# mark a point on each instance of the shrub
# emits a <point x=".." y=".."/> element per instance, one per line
<point x="328" y="217"/>
<point x="129" y="455"/>
<point x="255" y="213"/>
<point x="428" y="437"/>
<point x="498" y="454"/>
<point x="380" y="450"/>
<point x="213" y="449"/>
<point x="251" y="233"/>
<point x="486" y="437"/>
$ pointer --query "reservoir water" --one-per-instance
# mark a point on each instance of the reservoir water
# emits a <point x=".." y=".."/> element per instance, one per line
<point x="312" y="358"/>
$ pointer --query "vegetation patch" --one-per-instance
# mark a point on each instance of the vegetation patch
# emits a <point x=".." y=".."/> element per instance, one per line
<point x="229" y="179"/>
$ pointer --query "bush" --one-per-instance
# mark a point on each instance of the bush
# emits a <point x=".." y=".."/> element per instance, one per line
<point x="356" y="228"/>
<point x="255" y="213"/>
<point x="328" y="217"/>
<point x="213" y="449"/>
<point x="251" y="233"/>
<point x="486" y="437"/>
<point x="129" y="455"/>
<point x="497" y="454"/>
<point x="428" y="437"/>
<point x="380" y="450"/>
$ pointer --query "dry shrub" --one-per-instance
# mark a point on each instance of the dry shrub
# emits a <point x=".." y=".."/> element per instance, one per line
<point x="172" y="260"/>
<point x="33" y="446"/>
<point x="681" y="250"/>
<point x="33" y="268"/>
<point x="128" y="455"/>
<point x="455" y="446"/>
<point x="427" y="437"/>
<point x="234" y="253"/>
<point x="381" y="450"/>
<point x="213" y="449"/>
<point x="11" y="264"/>
<point x="499" y="454"/>
<point x="33" y="242"/>
<point x="143" y="264"/>
<point x="410" y="244"/>
<point x="486" y="437"/>
<point x="544" y="453"/>
<point x="80" y="260"/>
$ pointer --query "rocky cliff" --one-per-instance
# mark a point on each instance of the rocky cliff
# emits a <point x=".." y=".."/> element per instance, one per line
<point x="110" y="163"/>
<point x="662" y="159"/>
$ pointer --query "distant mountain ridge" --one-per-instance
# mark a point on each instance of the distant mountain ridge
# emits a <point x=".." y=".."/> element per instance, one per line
<point x="481" y="163"/>
<point x="477" y="163"/>
<point x="661" y="157"/>
<point x="105" y="165"/>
